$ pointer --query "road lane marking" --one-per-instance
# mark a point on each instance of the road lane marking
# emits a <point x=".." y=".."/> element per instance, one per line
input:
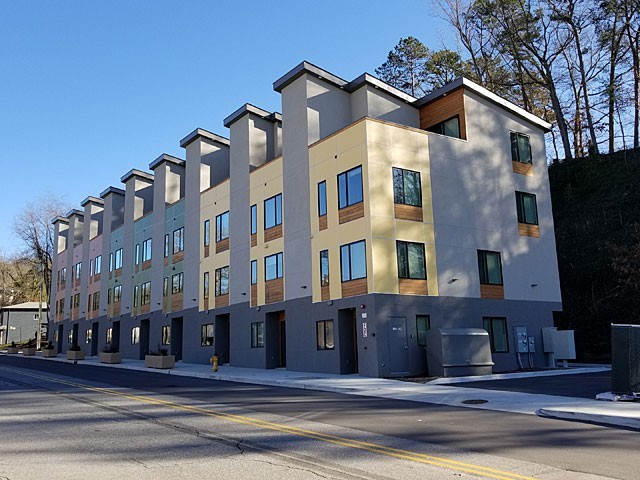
<point x="342" y="441"/>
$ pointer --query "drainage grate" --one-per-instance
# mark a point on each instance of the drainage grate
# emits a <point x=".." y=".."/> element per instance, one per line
<point x="475" y="401"/>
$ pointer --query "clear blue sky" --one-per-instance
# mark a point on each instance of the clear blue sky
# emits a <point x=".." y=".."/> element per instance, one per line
<point x="92" y="89"/>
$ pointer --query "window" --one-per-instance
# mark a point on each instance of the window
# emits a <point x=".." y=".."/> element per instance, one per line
<point x="177" y="282"/>
<point x="135" y="335"/>
<point x="146" y="250"/>
<point x="450" y="127"/>
<point x="136" y="293"/>
<point x="109" y="335"/>
<point x="520" y="148"/>
<point x="254" y="272"/>
<point x="350" y="187"/>
<point x="273" y="211"/>
<point x="96" y="301"/>
<point x="257" y="335"/>
<point x="76" y="300"/>
<point x="77" y="270"/>
<point x="70" y="337"/>
<point x="109" y="296"/>
<point x="527" y="208"/>
<point x="322" y="198"/>
<point x="145" y="293"/>
<point x="88" y="306"/>
<point x="411" y="262"/>
<point x="205" y="286"/>
<point x="407" y="189"/>
<point x="324" y="335"/>
<point x="423" y="324"/>
<point x="324" y="268"/>
<point x="353" y="261"/>
<point x="254" y="219"/>
<point x="490" y="267"/>
<point x="178" y="240"/>
<point x="166" y="245"/>
<point x="166" y="335"/>
<point x="117" y="293"/>
<point x="117" y="259"/>
<point x="111" y="262"/>
<point x="222" y="281"/>
<point x="97" y="265"/>
<point x="165" y="286"/>
<point x="273" y="266"/>
<point x="206" y="335"/>
<point x="497" y="328"/>
<point x="137" y="255"/>
<point x="87" y="336"/>
<point x="91" y="268"/>
<point x="207" y="233"/>
<point x="222" y="226"/>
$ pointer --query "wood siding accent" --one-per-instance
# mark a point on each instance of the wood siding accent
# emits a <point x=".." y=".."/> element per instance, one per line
<point x="136" y="268"/>
<point x="443" y="109"/>
<point x="254" y="295"/>
<point x="322" y="222"/>
<point x="408" y="212"/>
<point x="324" y="293"/>
<point x="166" y="261"/>
<point x="491" y="291"/>
<point x="117" y="272"/>
<point x="411" y="286"/>
<point x="176" y="301"/>
<point x="205" y="304"/>
<point x="254" y="239"/>
<point x="522" y="168"/>
<point x="76" y="283"/>
<point x="145" y="308"/>
<point x="146" y="265"/>
<point x="96" y="277"/>
<point x="177" y="257"/>
<point x="222" y="245"/>
<point x="527" y="230"/>
<point x="222" y="300"/>
<point x="274" y="290"/>
<point x="354" y="287"/>
<point x="351" y="212"/>
<point x="206" y="251"/>
<point x="115" y="310"/>
<point x="273" y="233"/>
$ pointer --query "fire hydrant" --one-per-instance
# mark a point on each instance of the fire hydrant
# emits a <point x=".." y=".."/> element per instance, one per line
<point x="214" y="363"/>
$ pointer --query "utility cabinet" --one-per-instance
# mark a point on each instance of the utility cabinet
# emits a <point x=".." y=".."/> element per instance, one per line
<point x="625" y="359"/>
<point x="455" y="352"/>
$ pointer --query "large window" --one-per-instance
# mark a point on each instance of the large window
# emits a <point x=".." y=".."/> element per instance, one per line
<point x="406" y="187"/>
<point x="520" y="148"/>
<point x="178" y="240"/>
<point x="166" y="335"/>
<point x="109" y="336"/>
<point x="450" y="127"/>
<point x="497" y="328"/>
<point x="117" y="259"/>
<point x="97" y="265"/>
<point x="257" y="335"/>
<point x="205" y="285"/>
<point x="273" y="266"/>
<point x="490" y="267"/>
<point x="411" y="262"/>
<point x="135" y="335"/>
<point x="353" y="261"/>
<point x="77" y="270"/>
<point x="423" y="324"/>
<point x="146" y="250"/>
<point x="145" y="293"/>
<point x="273" y="211"/>
<point x="206" y="335"/>
<point x="324" y="335"/>
<point x="177" y="282"/>
<point x="322" y="198"/>
<point x="222" y="226"/>
<point x="254" y="219"/>
<point x="117" y="293"/>
<point x="222" y="281"/>
<point x="324" y="268"/>
<point x="527" y="208"/>
<point x="350" y="187"/>
<point x="207" y="233"/>
<point x="254" y="272"/>
<point x="95" y="302"/>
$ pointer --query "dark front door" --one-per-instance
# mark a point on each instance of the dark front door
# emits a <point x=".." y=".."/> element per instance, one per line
<point x="176" y="338"/>
<point x="60" y="336"/>
<point x="398" y="346"/>
<point x="222" y="337"/>
<point x="115" y="335"/>
<point x="94" y="338"/>
<point x="75" y="341"/>
<point x="144" y="338"/>
<point x="348" y="340"/>
<point x="282" y="341"/>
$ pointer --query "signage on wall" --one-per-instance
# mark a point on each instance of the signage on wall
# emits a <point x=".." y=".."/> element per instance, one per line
<point x="364" y="330"/>
<point x="364" y="315"/>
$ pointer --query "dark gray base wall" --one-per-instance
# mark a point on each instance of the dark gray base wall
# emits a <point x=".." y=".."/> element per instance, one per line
<point x="387" y="346"/>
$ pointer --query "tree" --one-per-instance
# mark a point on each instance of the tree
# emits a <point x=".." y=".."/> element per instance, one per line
<point x="631" y="12"/>
<point x="442" y="67"/>
<point x="405" y="67"/>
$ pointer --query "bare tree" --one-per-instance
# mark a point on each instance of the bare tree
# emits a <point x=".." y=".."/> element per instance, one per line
<point x="631" y="9"/>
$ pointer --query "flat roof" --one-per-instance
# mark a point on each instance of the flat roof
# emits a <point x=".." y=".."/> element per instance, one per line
<point x="74" y="211"/>
<point x="90" y="199"/>
<point x="134" y="172"/>
<point x="165" y="157"/>
<point x="248" y="108"/>
<point x="200" y="132"/>
<point x="109" y="190"/>
<point x="311" y="69"/>
<point x="368" y="79"/>
<point x="26" y="306"/>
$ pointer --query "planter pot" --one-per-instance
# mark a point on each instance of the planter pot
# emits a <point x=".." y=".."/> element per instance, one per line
<point x="75" y="355"/>
<point x="110" y="357"/>
<point x="159" y="361"/>
<point x="29" y="352"/>
<point x="49" y="352"/>
<point x="12" y="350"/>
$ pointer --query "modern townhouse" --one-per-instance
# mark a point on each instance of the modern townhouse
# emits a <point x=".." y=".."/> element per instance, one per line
<point x="329" y="238"/>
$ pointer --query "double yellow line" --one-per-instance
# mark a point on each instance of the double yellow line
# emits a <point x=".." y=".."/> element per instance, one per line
<point x="300" y="432"/>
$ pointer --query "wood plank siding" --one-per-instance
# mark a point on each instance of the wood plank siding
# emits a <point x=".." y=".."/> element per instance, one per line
<point x="522" y="168"/>
<point x="444" y="108"/>
<point x="324" y="293"/>
<point x="254" y="239"/>
<point x="527" y="230"/>
<point x="354" y="287"/>
<point x="410" y="286"/>
<point x="274" y="290"/>
<point x="222" y="245"/>
<point x="254" y="295"/>
<point x="222" y="300"/>
<point x="408" y="212"/>
<point x="322" y="222"/>
<point x="273" y="233"/>
<point x="491" y="291"/>
<point x="351" y="212"/>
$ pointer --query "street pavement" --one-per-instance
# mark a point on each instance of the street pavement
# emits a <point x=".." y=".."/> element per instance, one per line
<point x="442" y="391"/>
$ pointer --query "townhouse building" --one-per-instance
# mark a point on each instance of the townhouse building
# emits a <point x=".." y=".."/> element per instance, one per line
<point x="328" y="238"/>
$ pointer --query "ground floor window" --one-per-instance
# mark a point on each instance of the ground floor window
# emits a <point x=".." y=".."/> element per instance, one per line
<point x="109" y="336"/>
<point x="166" y="335"/>
<point x="135" y="335"/>
<point x="497" y="328"/>
<point x="324" y="335"/>
<point x="206" y="335"/>
<point x="87" y="336"/>
<point x="257" y="335"/>
<point x="423" y="324"/>
<point x="70" y="337"/>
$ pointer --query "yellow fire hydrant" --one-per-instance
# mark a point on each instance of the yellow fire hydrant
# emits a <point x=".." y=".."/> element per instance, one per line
<point x="214" y="363"/>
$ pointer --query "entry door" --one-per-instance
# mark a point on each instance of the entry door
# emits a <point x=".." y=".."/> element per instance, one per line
<point x="94" y="339"/>
<point x="282" y="340"/>
<point x="348" y="344"/>
<point x="115" y="336"/>
<point x="144" y="338"/>
<point x="176" y="338"/>
<point x="398" y="346"/>
<point x="60" y="337"/>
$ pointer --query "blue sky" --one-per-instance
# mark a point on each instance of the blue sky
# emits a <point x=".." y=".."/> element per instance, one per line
<point x="92" y="89"/>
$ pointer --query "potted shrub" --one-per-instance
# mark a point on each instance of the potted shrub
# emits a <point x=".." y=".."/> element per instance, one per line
<point x="13" y="349"/>
<point x="29" y="349"/>
<point x="48" y="350"/>
<point x="75" y="353"/>
<point x="110" y="354"/>
<point x="159" y="359"/>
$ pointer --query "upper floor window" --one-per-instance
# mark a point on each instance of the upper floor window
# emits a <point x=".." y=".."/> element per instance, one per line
<point x="406" y="187"/>
<point x="137" y="255"/>
<point x="178" y="240"/>
<point x="165" y="286"/>
<point x="273" y="211"/>
<point x="222" y="226"/>
<point x="254" y="272"/>
<point x="450" y="127"/>
<point x="136" y="290"/>
<point x="97" y="265"/>
<point x="145" y="293"/>
<point x="254" y="219"/>
<point x="324" y="268"/>
<point x="490" y="267"/>
<point x="353" y="261"/>
<point x="166" y="245"/>
<point x="146" y="250"/>
<point x="117" y="259"/>
<point x="77" y="271"/>
<point x="520" y="148"/>
<point x="411" y="260"/>
<point x="117" y="293"/>
<point x="350" y="187"/>
<point x="322" y="198"/>
<point x="222" y="281"/>
<point x="527" y="208"/>
<point x="207" y="233"/>
<point x="273" y="266"/>
<point x="111" y="262"/>
<point x="205" y="285"/>
<point x="177" y="282"/>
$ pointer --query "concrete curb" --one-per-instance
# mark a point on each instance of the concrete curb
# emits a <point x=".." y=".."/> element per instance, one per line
<point x="578" y="415"/>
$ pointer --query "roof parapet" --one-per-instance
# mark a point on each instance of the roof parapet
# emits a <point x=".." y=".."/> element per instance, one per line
<point x="134" y="172"/>
<point x="368" y="79"/>
<point x="109" y="190"/>
<point x="248" y="108"/>
<point x="60" y="219"/>
<point x="90" y="199"/>
<point x="165" y="157"/>
<point x="74" y="212"/>
<point x="199" y="132"/>
<point x="311" y="69"/>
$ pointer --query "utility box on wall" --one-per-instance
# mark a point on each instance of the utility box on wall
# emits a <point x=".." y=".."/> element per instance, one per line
<point x="625" y="359"/>
<point x="454" y="352"/>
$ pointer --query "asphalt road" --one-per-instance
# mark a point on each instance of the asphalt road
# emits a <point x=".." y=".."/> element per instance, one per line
<point x="541" y="448"/>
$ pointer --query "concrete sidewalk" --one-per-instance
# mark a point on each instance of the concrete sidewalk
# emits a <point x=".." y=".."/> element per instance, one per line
<point x="440" y="391"/>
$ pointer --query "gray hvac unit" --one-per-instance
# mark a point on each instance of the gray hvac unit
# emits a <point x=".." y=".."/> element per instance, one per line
<point x="454" y="352"/>
<point x="625" y="359"/>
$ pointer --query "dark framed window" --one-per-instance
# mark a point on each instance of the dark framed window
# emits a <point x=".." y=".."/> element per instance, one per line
<point x="109" y="335"/>
<point x="117" y="293"/>
<point x="166" y="245"/>
<point x="165" y="286"/>
<point x="490" y="267"/>
<point x="146" y="250"/>
<point x="450" y="127"/>
<point x="324" y="268"/>
<point x="87" y="335"/>
<point x="135" y="335"/>
<point x="177" y="282"/>
<point x="206" y="335"/>
<point x="498" y="338"/>
<point x="178" y="240"/>
<point x="254" y="272"/>
<point x="350" y="187"/>
<point x="205" y="285"/>
<point x="137" y="254"/>
<point x="407" y="189"/>
<point x="222" y="281"/>
<point x="527" y="208"/>
<point x="109" y="297"/>
<point x="520" y="148"/>
<point x="76" y="300"/>
<point x="70" y="337"/>
<point x="97" y="265"/>
<point x="207" y="233"/>
<point x="136" y="294"/>
<point x="110" y="266"/>
<point x="353" y="261"/>
<point x="166" y="335"/>
<point x="117" y="259"/>
<point x="411" y="260"/>
<point x="324" y="335"/>
<point x="254" y="219"/>
<point x="322" y="198"/>
<point x="273" y="211"/>
<point x="222" y="226"/>
<point x="145" y="293"/>
<point x="273" y="266"/>
<point x="257" y="335"/>
<point x="423" y="325"/>
<point x="96" y="301"/>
